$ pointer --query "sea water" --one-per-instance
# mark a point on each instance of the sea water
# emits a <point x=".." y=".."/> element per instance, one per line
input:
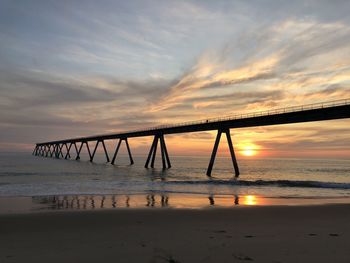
<point x="22" y="174"/>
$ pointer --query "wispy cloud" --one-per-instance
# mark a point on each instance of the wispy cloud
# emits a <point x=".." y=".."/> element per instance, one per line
<point x="206" y="75"/>
<point x="289" y="59"/>
<point x="67" y="71"/>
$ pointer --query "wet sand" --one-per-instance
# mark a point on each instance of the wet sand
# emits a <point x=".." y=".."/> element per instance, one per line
<point x="245" y="234"/>
<point x="23" y="204"/>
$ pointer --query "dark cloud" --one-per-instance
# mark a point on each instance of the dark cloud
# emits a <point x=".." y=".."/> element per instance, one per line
<point x="40" y="90"/>
<point x="35" y="89"/>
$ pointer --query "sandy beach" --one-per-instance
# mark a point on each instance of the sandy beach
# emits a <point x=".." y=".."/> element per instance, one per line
<point x="246" y="234"/>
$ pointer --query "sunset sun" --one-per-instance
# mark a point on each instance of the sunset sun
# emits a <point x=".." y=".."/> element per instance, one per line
<point x="248" y="151"/>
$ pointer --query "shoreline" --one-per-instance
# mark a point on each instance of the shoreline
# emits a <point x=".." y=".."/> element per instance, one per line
<point x="313" y="233"/>
<point x="39" y="204"/>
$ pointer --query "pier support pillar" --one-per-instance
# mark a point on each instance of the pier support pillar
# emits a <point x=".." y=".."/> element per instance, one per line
<point x="88" y="148"/>
<point x="104" y="148"/>
<point x="117" y="149"/>
<point x="53" y="150"/>
<point x="39" y="150"/>
<point x="60" y="150"/>
<point x="78" y="152"/>
<point x="35" y="150"/>
<point x="153" y="151"/>
<point x="68" y="150"/>
<point x="93" y="153"/>
<point x="56" y="150"/>
<point x="46" y="150"/>
<point x="80" y="148"/>
<point x="215" y="149"/>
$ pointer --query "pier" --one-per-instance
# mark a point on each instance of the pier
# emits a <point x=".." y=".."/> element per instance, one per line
<point x="331" y="110"/>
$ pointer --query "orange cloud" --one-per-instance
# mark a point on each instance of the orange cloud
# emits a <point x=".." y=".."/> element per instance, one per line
<point x="205" y="74"/>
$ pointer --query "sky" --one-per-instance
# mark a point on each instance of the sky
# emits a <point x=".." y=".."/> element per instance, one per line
<point x="80" y="68"/>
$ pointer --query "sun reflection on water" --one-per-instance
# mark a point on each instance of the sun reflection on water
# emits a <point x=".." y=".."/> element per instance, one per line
<point x="249" y="200"/>
<point x="147" y="200"/>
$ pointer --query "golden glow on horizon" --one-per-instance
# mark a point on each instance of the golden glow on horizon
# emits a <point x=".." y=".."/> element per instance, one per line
<point x="249" y="150"/>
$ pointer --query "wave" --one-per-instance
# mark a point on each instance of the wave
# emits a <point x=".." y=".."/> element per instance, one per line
<point x="277" y="183"/>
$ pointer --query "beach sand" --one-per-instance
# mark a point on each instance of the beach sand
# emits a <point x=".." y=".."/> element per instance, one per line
<point x="319" y="233"/>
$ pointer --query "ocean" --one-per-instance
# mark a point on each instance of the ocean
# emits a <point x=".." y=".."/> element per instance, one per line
<point x="262" y="180"/>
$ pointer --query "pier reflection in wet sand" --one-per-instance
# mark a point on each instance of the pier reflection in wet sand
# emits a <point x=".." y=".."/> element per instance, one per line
<point x="86" y="202"/>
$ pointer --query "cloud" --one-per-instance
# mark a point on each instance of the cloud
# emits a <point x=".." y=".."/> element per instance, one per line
<point x="206" y="75"/>
<point x="286" y="59"/>
<point x="39" y="105"/>
<point x="31" y="90"/>
<point x="67" y="71"/>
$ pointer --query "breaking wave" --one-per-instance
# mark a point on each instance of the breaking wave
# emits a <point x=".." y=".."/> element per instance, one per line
<point x="277" y="183"/>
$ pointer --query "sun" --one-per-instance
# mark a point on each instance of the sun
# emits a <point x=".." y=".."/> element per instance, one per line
<point x="248" y="151"/>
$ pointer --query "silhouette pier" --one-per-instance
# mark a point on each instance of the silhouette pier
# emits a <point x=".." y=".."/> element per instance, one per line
<point x="332" y="110"/>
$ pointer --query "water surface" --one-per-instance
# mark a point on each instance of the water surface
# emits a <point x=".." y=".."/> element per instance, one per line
<point x="22" y="174"/>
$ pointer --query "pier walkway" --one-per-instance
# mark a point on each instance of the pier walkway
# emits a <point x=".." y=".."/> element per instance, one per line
<point x="331" y="110"/>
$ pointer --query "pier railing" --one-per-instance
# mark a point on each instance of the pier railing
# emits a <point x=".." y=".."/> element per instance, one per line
<point x="311" y="112"/>
<point x="238" y="116"/>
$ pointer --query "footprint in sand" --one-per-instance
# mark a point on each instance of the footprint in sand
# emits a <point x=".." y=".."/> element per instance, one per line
<point x="142" y="244"/>
<point x="333" y="235"/>
<point x="219" y="231"/>
<point x="243" y="257"/>
<point x="164" y="255"/>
